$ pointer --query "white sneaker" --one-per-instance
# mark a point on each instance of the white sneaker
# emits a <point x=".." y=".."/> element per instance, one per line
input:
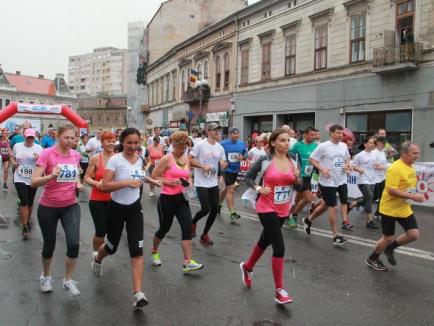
<point x="151" y="194"/>
<point x="140" y="300"/>
<point x="46" y="283"/>
<point x="96" y="267"/>
<point x="71" y="286"/>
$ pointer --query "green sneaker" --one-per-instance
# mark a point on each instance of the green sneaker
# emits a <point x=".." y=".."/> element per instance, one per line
<point x="191" y="266"/>
<point x="234" y="216"/>
<point x="292" y="222"/>
<point x="156" y="261"/>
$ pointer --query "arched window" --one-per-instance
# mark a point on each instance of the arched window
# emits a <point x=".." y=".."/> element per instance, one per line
<point x="227" y="62"/>
<point x="218" y="73"/>
<point x="183" y="81"/>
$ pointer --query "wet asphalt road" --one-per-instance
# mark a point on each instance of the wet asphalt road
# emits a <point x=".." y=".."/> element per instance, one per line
<point x="331" y="286"/>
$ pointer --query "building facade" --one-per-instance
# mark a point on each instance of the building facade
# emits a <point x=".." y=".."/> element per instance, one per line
<point x="102" y="71"/>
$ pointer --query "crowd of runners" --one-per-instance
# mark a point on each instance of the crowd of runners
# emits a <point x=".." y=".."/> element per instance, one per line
<point x="288" y="171"/>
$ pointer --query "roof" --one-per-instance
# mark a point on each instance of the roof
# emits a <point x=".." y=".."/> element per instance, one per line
<point x="34" y="85"/>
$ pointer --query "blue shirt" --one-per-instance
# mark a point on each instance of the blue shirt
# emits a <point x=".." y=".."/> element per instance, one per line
<point x="47" y="141"/>
<point x="19" y="139"/>
<point x="232" y="150"/>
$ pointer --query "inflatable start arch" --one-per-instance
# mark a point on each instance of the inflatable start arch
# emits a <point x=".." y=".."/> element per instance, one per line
<point x="61" y="109"/>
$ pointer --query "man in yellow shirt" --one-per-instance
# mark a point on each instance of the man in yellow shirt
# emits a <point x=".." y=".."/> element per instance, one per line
<point x="395" y="206"/>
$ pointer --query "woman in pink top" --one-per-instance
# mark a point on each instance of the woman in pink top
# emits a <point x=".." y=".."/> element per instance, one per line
<point x="278" y="174"/>
<point x="174" y="170"/>
<point x="57" y="169"/>
<point x="154" y="152"/>
<point x="5" y="152"/>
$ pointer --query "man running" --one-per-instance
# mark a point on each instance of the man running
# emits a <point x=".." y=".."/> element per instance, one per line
<point x="205" y="157"/>
<point x="332" y="160"/>
<point x="236" y="151"/>
<point x="395" y="206"/>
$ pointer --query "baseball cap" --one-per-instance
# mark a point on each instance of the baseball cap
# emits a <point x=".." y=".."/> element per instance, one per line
<point x="234" y="131"/>
<point x="29" y="133"/>
<point x="213" y="125"/>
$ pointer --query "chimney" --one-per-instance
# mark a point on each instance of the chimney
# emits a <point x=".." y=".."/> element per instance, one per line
<point x="58" y="75"/>
<point x="41" y="76"/>
<point x="17" y="72"/>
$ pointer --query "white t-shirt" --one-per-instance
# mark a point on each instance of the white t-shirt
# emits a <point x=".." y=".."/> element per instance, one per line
<point x="255" y="153"/>
<point x="25" y="157"/>
<point x="162" y="140"/>
<point x="125" y="170"/>
<point x="380" y="174"/>
<point x="332" y="156"/>
<point x="292" y="142"/>
<point x="94" y="145"/>
<point x="366" y="161"/>
<point x="209" y="155"/>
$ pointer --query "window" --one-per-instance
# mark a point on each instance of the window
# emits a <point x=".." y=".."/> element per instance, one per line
<point x="7" y="102"/>
<point x="1" y="103"/>
<point x="245" y="65"/>
<point x="405" y="20"/>
<point x="321" y="47"/>
<point x="183" y="82"/>
<point x="205" y="70"/>
<point x="218" y="73"/>
<point x="174" y="85"/>
<point x="266" y="60"/>
<point x="227" y="70"/>
<point x="358" y="34"/>
<point x="167" y="87"/>
<point x="290" y="51"/>
<point x="157" y="92"/>
<point x="162" y="90"/>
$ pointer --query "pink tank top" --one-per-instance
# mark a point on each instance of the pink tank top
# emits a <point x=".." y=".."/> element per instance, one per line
<point x="155" y="153"/>
<point x="174" y="172"/>
<point x="279" y="199"/>
<point x="4" y="145"/>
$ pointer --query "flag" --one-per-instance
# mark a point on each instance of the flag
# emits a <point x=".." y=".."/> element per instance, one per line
<point x="194" y="74"/>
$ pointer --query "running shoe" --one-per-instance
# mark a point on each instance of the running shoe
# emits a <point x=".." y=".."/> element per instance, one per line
<point x="140" y="300"/>
<point x="371" y="225"/>
<point x="26" y="232"/>
<point x="46" y="283"/>
<point x="292" y="222"/>
<point x="376" y="264"/>
<point x="282" y="297"/>
<point x="71" y="286"/>
<point x="5" y="187"/>
<point x="96" y="267"/>
<point x="191" y="266"/>
<point x="390" y="256"/>
<point x="155" y="259"/>
<point x="339" y="240"/>
<point x="246" y="276"/>
<point x="377" y="216"/>
<point x="193" y="230"/>
<point x="151" y="194"/>
<point x="234" y="216"/>
<point x="306" y="225"/>
<point x="206" y="240"/>
<point x="347" y="226"/>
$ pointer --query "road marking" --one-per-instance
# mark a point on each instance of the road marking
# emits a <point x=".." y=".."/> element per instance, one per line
<point x="413" y="252"/>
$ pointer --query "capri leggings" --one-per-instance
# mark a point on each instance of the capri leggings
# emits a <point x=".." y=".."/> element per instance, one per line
<point x="170" y="206"/>
<point x="132" y="217"/>
<point x="209" y="203"/>
<point x="69" y="216"/>
<point x="99" y="212"/>
<point x="26" y="193"/>
<point x="272" y="233"/>
<point x="367" y="200"/>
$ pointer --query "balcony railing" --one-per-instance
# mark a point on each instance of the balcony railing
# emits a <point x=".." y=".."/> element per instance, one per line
<point x="404" y="53"/>
<point x="194" y="95"/>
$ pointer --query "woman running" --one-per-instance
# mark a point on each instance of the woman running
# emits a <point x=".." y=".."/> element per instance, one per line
<point x="154" y="152"/>
<point x="5" y="151"/>
<point x="278" y="174"/>
<point x="123" y="177"/>
<point x="174" y="171"/>
<point x="57" y="169"/>
<point x="98" y="202"/>
<point x="24" y="159"/>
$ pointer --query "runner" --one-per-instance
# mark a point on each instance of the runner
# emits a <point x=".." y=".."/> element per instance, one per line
<point x="23" y="159"/>
<point x="5" y="152"/>
<point x="235" y="151"/>
<point x="332" y="160"/>
<point x="57" y="170"/>
<point x="154" y="153"/>
<point x="206" y="157"/>
<point x="365" y="163"/>
<point x="93" y="146"/>
<point x="123" y="177"/>
<point x="277" y="174"/>
<point x="302" y="149"/>
<point x="256" y="152"/>
<point x="174" y="171"/>
<point x="395" y="206"/>
<point x="380" y="174"/>
<point x="98" y="203"/>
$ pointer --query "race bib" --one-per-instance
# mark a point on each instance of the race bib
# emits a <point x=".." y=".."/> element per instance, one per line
<point x="68" y="173"/>
<point x="4" y="151"/>
<point x="338" y="163"/>
<point x="233" y="157"/>
<point x="25" y="171"/>
<point x="136" y="174"/>
<point x="282" y="194"/>
<point x="308" y="169"/>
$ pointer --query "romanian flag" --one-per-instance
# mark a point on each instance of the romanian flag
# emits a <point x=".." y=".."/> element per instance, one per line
<point x="194" y="74"/>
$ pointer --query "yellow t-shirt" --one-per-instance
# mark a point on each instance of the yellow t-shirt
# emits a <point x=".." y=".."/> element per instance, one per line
<point x="402" y="177"/>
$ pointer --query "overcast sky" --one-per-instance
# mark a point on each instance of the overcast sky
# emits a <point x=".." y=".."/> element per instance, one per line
<point x="38" y="36"/>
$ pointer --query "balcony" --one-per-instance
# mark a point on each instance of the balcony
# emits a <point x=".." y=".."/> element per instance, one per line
<point x="397" y="58"/>
<point x="195" y="95"/>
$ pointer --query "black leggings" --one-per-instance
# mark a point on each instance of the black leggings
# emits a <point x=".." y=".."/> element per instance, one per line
<point x="99" y="212"/>
<point x="26" y="193"/>
<point x="69" y="216"/>
<point x="209" y="203"/>
<point x="170" y="206"/>
<point x="272" y="233"/>
<point x="132" y="216"/>
<point x="378" y="193"/>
